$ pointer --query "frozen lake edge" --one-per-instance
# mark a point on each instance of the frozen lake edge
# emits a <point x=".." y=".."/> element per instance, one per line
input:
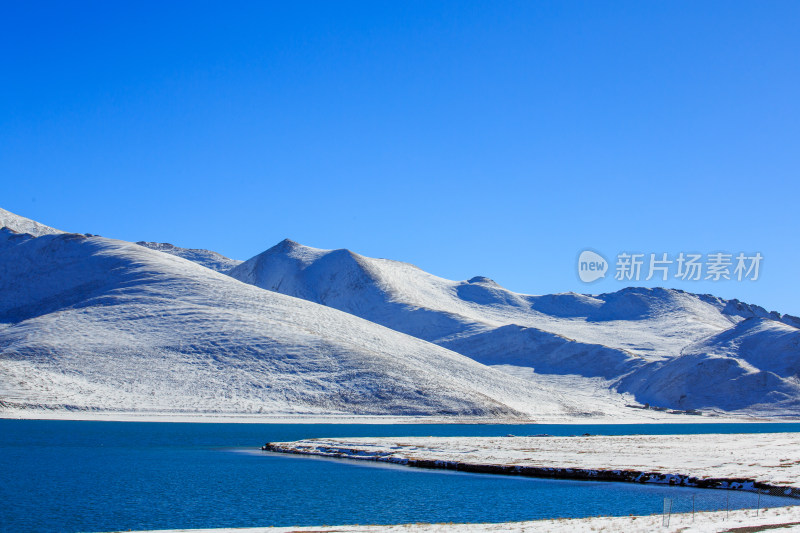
<point x="769" y="462"/>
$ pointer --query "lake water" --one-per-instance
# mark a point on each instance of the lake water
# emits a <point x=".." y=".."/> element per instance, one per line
<point x="71" y="476"/>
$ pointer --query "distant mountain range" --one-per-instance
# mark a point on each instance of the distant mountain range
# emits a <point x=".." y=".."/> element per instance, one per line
<point x="94" y="324"/>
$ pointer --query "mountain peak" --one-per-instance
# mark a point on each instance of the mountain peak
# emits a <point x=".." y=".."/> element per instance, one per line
<point x="286" y="246"/>
<point x="483" y="280"/>
<point x="288" y="243"/>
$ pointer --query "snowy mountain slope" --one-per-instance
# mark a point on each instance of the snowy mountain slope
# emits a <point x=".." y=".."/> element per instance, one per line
<point x="651" y="323"/>
<point x="755" y="363"/>
<point x="635" y="337"/>
<point x="207" y="258"/>
<point x="24" y="225"/>
<point x="757" y="341"/>
<point x="93" y="323"/>
<point x="751" y="366"/>
<point x="737" y="308"/>
<point x="547" y="353"/>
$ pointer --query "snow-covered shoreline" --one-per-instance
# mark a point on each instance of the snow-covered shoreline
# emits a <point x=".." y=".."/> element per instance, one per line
<point x="767" y="461"/>
<point x="249" y="418"/>
<point x="783" y="519"/>
<point x="646" y="417"/>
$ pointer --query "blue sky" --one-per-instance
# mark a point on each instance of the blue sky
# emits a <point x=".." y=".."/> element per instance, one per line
<point x="491" y="138"/>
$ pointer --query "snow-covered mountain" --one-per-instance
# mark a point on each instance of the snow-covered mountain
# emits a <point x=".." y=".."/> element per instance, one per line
<point x="753" y="365"/>
<point x="654" y="343"/>
<point x="207" y="258"/>
<point x="95" y="324"/>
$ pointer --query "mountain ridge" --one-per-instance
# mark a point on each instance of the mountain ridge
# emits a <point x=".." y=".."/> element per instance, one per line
<point x="628" y="337"/>
<point x="21" y="224"/>
<point x="116" y="326"/>
<point x="207" y="258"/>
<point x="90" y="323"/>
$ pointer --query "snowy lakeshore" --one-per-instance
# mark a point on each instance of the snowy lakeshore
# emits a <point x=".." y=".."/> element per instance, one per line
<point x="631" y="416"/>
<point x="783" y="519"/>
<point x="769" y="461"/>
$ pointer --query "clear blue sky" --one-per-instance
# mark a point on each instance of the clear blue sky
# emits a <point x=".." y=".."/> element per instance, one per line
<point x="492" y="138"/>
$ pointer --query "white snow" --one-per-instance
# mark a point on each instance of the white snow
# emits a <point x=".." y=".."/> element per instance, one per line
<point x="92" y="324"/>
<point x="24" y="225"/>
<point x="655" y="344"/>
<point x="207" y="258"/>
<point x="780" y="519"/>
<point x="772" y="458"/>
<point x="752" y="366"/>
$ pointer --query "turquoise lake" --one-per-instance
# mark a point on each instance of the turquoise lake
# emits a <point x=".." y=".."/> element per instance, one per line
<point x="69" y="476"/>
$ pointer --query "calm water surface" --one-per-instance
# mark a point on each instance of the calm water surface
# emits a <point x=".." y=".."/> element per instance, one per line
<point x="69" y="476"/>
